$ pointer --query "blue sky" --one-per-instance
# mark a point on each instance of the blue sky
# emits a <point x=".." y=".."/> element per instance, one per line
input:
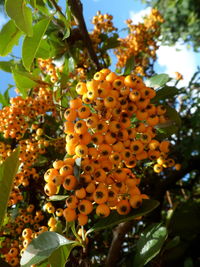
<point x="169" y="59"/>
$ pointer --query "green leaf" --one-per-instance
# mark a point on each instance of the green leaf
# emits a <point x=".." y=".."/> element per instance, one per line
<point x="3" y="263"/>
<point x="43" y="264"/>
<point x="60" y="256"/>
<point x="21" y="14"/>
<point x="173" y="115"/>
<point x="31" y="44"/>
<point x="185" y="220"/>
<point x="130" y="63"/>
<point x="43" y="246"/>
<point x="188" y="262"/>
<point x="149" y="244"/>
<point x="9" y="36"/>
<point x="6" y="65"/>
<point x="33" y="3"/>
<point x="3" y="100"/>
<point x="166" y="130"/>
<point x="172" y="243"/>
<point x="114" y="218"/>
<point x="165" y="93"/>
<point x="158" y="80"/>
<point x="8" y="170"/>
<point x="23" y="81"/>
<point x="57" y="197"/>
<point x="111" y="42"/>
<point x="45" y="50"/>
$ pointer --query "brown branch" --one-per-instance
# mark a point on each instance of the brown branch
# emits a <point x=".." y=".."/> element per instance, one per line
<point x="58" y="9"/>
<point x="77" y="10"/>
<point x="168" y="196"/>
<point x="118" y="238"/>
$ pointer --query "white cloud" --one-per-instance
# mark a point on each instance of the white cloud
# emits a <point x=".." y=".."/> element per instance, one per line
<point x="177" y="58"/>
<point x="138" y="16"/>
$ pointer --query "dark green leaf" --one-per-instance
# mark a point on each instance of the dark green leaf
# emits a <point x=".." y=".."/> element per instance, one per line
<point x="172" y="243"/>
<point x="8" y="170"/>
<point x="57" y="197"/>
<point x="185" y="220"/>
<point x="130" y="63"/>
<point x="188" y="262"/>
<point x="31" y="44"/>
<point x="23" y="81"/>
<point x="149" y="244"/>
<point x="9" y="36"/>
<point x="3" y="263"/>
<point x="63" y="80"/>
<point x="21" y="14"/>
<point x="166" y="130"/>
<point x="165" y="93"/>
<point x="173" y="116"/>
<point x="114" y="218"/>
<point x="157" y="80"/>
<point x="43" y="246"/>
<point x="60" y="256"/>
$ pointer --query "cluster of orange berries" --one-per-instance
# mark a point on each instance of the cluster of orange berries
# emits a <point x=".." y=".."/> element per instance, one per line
<point x="15" y="119"/>
<point x="5" y="151"/>
<point x="48" y="68"/>
<point x="26" y="226"/>
<point x="103" y="23"/>
<point x="99" y="131"/>
<point x="141" y="39"/>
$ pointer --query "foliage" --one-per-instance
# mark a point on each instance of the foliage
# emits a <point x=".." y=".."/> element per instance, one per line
<point x="181" y="20"/>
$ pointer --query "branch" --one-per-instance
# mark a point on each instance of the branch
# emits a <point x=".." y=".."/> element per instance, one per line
<point x="171" y="179"/>
<point x="77" y="11"/>
<point x="118" y="238"/>
<point x="58" y="9"/>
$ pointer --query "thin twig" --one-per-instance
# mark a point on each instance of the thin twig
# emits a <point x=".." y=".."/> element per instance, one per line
<point x="168" y="196"/>
<point x="183" y="190"/>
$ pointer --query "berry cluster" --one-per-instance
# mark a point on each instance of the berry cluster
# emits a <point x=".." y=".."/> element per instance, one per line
<point x="141" y="39"/>
<point x="26" y="226"/>
<point x="15" y="119"/>
<point x="100" y="131"/>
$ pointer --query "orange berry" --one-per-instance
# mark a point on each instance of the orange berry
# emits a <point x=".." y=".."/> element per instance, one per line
<point x="85" y="207"/>
<point x="123" y="207"/>
<point x="69" y="214"/>
<point x="135" y="201"/>
<point x="69" y="182"/>
<point x="75" y="103"/>
<point x="100" y="195"/>
<point x="103" y="210"/>
<point x="82" y="219"/>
